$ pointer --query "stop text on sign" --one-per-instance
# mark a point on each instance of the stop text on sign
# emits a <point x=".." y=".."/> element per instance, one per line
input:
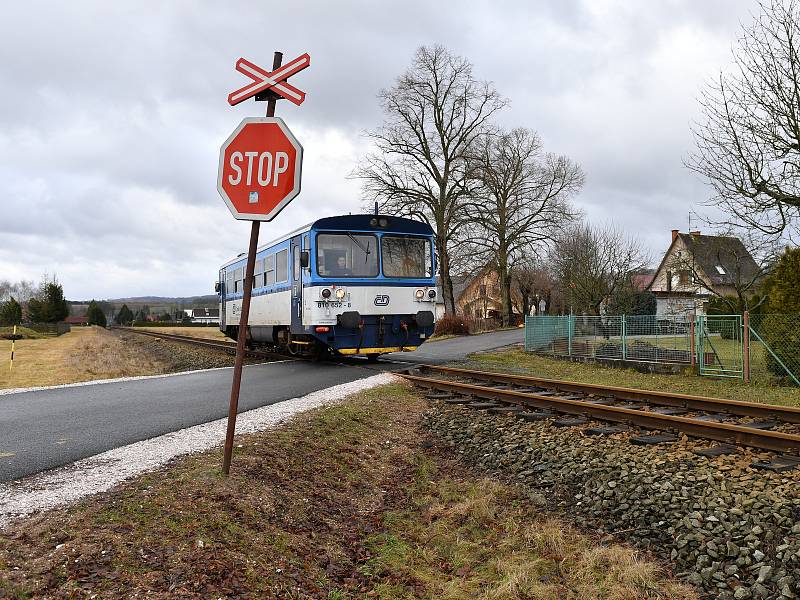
<point x="262" y="165"/>
<point x="259" y="168"/>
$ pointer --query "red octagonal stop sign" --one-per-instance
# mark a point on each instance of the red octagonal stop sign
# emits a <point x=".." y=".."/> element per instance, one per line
<point x="259" y="168"/>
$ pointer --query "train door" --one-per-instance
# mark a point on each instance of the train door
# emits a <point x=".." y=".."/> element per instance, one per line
<point x="221" y="290"/>
<point x="297" y="286"/>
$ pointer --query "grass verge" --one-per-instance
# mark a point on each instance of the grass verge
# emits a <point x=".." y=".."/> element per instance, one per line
<point x="519" y="361"/>
<point x="344" y="502"/>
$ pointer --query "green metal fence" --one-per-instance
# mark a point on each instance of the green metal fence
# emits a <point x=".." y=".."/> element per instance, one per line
<point x="774" y="348"/>
<point x="720" y="341"/>
<point x="765" y="348"/>
<point x="617" y="337"/>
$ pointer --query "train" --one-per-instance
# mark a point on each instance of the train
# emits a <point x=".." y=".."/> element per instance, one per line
<point x="344" y="285"/>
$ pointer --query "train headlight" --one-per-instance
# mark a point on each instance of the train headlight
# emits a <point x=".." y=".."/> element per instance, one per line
<point x="419" y="294"/>
<point x="340" y="292"/>
<point x="326" y="293"/>
<point x="431" y="294"/>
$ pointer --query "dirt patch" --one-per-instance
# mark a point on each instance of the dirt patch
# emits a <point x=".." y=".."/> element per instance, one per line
<point x="348" y="501"/>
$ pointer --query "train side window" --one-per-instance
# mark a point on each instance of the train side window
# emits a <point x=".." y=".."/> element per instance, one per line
<point x="240" y="279"/>
<point x="269" y="275"/>
<point x="230" y="287"/>
<point x="258" y="273"/>
<point x="296" y="261"/>
<point x="282" y="265"/>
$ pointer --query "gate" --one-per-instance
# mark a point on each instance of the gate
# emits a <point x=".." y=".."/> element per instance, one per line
<point x="719" y="345"/>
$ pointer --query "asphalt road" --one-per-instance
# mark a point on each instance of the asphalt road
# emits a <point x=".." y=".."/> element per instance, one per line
<point x="44" y="429"/>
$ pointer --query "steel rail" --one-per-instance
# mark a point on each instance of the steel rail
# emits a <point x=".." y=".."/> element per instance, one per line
<point x="788" y="414"/>
<point x="722" y="432"/>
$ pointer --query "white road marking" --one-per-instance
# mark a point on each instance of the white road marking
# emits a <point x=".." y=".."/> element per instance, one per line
<point x="99" y="473"/>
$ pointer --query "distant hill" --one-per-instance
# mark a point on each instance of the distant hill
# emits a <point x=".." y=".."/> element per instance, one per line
<point x="155" y="304"/>
<point x="165" y="299"/>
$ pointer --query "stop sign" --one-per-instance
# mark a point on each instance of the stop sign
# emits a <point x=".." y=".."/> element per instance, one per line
<point x="259" y="168"/>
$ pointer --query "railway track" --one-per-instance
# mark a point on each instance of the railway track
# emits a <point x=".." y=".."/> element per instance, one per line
<point x="762" y="426"/>
<point x="228" y="347"/>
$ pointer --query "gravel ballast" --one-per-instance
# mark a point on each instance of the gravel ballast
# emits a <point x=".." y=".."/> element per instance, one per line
<point x="731" y="530"/>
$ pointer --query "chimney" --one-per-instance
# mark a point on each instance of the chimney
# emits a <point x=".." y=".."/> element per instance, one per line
<point x="674" y="234"/>
<point x="695" y="233"/>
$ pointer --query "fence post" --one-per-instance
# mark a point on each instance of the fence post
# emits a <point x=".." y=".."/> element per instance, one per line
<point x="624" y="339"/>
<point x="746" y="346"/>
<point x="692" y="342"/>
<point x="570" y="331"/>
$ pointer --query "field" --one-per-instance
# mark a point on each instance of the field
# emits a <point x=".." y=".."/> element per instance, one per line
<point x="350" y="501"/>
<point x="518" y="361"/>
<point x="83" y="354"/>
<point x="91" y="353"/>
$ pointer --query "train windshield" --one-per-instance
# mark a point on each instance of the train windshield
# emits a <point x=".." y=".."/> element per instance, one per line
<point x="347" y="255"/>
<point x="406" y="256"/>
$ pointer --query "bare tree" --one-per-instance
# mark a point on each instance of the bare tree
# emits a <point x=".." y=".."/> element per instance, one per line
<point x="731" y="268"/>
<point x="21" y="291"/>
<point x="748" y="144"/>
<point x="522" y="199"/>
<point x="433" y="116"/>
<point x="533" y="282"/>
<point x="590" y="264"/>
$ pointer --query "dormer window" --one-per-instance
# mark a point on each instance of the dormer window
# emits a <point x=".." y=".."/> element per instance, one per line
<point x="720" y="270"/>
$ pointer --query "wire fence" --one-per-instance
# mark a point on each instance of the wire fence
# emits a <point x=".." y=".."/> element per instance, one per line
<point x="621" y="337"/>
<point x="775" y="348"/>
<point x="768" y="350"/>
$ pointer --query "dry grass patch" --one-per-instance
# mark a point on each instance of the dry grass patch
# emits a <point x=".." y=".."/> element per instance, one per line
<point x="205" y="333"/>
<point x="519" y="361"/>
<point x="465" y="538"/>
<point x="83" y="354"/>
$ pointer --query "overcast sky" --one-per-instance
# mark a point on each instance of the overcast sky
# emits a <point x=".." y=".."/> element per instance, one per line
<point x="112" y="114"/>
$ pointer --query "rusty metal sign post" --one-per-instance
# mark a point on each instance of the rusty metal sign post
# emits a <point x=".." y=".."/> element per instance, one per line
<point x="264" y="198"/>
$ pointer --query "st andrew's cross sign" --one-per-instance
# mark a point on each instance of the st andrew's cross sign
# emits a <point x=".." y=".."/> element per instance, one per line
<point x="259" y="174"/>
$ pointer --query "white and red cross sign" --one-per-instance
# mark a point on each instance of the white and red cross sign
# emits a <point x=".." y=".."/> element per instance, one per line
<point x="270" y="80"/>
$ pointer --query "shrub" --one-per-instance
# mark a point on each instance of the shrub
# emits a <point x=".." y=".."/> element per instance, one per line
<point x="10" y="312"/>
<point x="453" y="325"/>
<point x="95" y="314"/>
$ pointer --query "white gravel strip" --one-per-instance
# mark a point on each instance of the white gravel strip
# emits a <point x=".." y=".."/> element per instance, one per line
<point x="101" y="472"/>
<point x="136" y="378"/>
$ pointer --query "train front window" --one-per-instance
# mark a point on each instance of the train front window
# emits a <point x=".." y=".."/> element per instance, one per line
<point x="347" y="255"/>
<point x="406" y="257"/>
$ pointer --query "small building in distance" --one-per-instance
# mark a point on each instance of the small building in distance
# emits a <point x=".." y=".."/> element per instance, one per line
<point x="206" y="316"/>
<point x="77" y="320"/>
<point x="697" y="267"/>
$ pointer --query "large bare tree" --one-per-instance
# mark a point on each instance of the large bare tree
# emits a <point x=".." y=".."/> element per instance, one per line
<point x="748" y="142"/>
<point x="434" y="114"/>
<point x="591" y="263"/>
<point x="521" y="201"/>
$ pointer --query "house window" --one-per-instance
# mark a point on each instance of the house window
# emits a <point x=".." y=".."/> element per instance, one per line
<point x="683" y="277"/>
<point x="720" y="270"/>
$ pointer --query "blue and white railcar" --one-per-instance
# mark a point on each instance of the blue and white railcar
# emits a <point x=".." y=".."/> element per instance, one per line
<point x="355" y="284"/>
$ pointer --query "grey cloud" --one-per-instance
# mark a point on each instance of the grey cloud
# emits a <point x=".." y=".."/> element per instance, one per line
<point x="112" y="115"/>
